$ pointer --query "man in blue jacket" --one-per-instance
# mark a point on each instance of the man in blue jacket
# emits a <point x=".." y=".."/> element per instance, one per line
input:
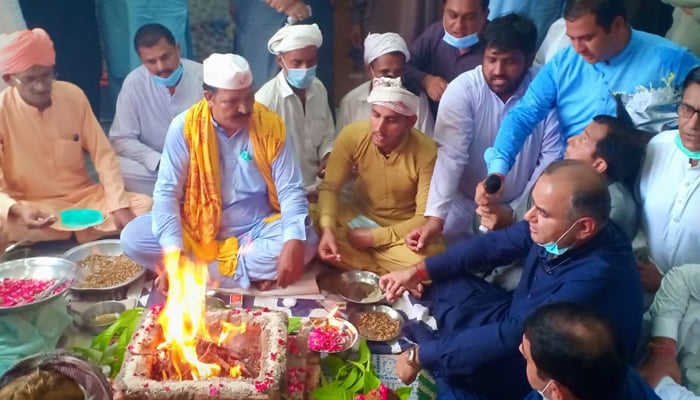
<point x="571" y="254"/>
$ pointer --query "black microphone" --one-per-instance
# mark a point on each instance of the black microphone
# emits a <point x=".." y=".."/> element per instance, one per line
<point x="491" y="185"/>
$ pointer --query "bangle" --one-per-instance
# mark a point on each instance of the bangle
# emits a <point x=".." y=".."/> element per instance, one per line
<point x="422" y="273"/>
<point x="662" y="348"/>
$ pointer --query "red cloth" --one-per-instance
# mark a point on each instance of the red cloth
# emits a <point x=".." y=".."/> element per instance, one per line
<point x="24" y="49"/>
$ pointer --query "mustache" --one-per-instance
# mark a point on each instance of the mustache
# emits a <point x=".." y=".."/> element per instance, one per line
<point x="165" y="72"/>
<point x="242" y="115"/>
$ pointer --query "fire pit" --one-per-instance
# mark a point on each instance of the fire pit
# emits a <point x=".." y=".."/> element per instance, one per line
<point x="184" y="351"/>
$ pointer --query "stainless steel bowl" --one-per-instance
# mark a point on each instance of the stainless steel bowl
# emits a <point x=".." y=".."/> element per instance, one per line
<point x="101" y="315"/>
<point x="363" y="331"/>
<point x="360" y="287"/>
<point x="106" y="247"/>
<point x="345" y="326"/>
<point x="41" y="268"/>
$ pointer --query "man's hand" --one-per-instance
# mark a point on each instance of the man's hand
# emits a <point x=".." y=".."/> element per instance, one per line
<point x="483" y="198"/>
<point x="495" y="217"/>
<point x="394" y="284"/>
<point x="660" y="364"/>
<point x="434" y="86"/>
<point x="31" y="217"/>
<point x="281" y="5"/>
<point x="650" y="275"/>
<point x="405" y="372"/>
<point x="327" y="249"/>
<point x="298" y="10"/>
<point x="360" y="238"/>
<point x="290" y="266"/>
<point x="419" y="238"/>
<point x="355" y="36"/>
<point x="161" y="284"/>
<point x="321" y="171"/>
<point x="122" y="217"/>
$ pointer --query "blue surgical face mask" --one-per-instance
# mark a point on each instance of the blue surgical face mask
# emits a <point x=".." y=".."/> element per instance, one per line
<point x="171" y="80"/>
<point x="553" y="247"/>
<point x="462" y="42"/>
<point x="544" y="389"/>
<point x="693" y="155"/>
<point x="300" y="78"/>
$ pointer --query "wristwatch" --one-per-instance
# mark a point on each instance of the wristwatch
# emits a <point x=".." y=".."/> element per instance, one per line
<point x="412" y="355"/>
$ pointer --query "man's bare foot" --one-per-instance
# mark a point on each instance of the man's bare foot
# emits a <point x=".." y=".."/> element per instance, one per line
<point x="264" y="285"/>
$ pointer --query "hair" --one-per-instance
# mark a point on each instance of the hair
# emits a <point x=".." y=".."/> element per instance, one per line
<point x="590" y="196"/>
<point x="150" y="34"/>
<point x="605" y="11"/>
<point x="693" y="77"/>
<point x="209" y="88"/>
<point x="510" y="32"/>
<point x="42" y="385"/>
<point x="484" y="3"/>
<point x="578" y="348"/>
<point x="623" y="146"/>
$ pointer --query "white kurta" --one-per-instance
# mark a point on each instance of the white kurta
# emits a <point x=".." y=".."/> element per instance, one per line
<point x="670" y="195"/>
<point x="310" y="128"/>
<point x="143" y="115"/>
<point x="354" y="107"/>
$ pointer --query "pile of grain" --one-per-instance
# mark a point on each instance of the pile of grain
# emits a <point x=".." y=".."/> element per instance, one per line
<point x="99" y="272"/>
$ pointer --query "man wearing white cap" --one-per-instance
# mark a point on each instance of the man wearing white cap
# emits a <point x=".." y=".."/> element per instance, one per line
<point x="229" y="191"/>
<point x="394" y="165"/>
<point x="386" y="55"/>
<point x="301" y="99"/>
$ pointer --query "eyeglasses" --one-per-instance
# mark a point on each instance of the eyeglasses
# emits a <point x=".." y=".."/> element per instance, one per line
<point x="32" y="81"/>
<point x="686" y="111"/>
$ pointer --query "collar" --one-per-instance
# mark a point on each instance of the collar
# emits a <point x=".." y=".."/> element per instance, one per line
<point x="23" y="105"/>
<point x="551" y="262"/>
<point x="622" y="56"/>
<point x="283" y="87"/>
<point x="391" y="157"/>
<point x="519" y="91"/>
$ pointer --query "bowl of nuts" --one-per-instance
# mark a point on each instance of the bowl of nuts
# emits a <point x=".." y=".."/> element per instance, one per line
<point x="102" y="266"/>
<point x="378" y="323"/>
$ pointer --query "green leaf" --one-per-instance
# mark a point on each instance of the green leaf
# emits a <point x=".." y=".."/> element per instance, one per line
<point x="294" y="325"/>
<point x="332" y="364"/>
<point x="331" y="392"/>
<point x="350" y="380"/>
<point x="364" y="352"/>
<point x="371" y="381"/>
<point x="90" y="354"/>
<point x="403" y="392"/>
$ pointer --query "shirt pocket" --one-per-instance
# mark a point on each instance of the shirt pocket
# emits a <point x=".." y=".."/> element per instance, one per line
<point x="69" y="155"/>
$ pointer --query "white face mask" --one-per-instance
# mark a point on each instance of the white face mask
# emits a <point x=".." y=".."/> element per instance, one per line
<point x="544" y="389"/>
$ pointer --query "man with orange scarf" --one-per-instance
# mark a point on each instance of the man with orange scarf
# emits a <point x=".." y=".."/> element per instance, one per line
<point x="46" y="126"/>
<point x="229" y="191"/>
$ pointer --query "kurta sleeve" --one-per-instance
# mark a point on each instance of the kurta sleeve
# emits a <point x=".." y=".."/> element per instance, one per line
<point x="393" y="233"/>
<point x="679" y="286"/>
<point x="5" y="200"/>
<point x="338" y="169"/>
<point x="328" y="134"/>
<point x="106" y="162"/>
<point x="294" y="206"/>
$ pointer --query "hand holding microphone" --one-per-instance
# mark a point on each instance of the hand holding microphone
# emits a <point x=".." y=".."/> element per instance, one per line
<point x="488" y="192"/>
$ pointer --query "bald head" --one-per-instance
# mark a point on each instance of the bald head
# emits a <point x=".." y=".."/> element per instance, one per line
<point x="586" y="189"/>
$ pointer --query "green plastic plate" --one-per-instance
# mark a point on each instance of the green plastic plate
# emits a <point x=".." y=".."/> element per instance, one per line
<point x="78" y="218"/>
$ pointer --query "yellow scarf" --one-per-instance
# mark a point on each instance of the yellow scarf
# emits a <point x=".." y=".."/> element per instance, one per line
<point x="202" y="205"/>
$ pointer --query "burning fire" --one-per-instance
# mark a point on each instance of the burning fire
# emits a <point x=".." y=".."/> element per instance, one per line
<point x="184" y="323"/>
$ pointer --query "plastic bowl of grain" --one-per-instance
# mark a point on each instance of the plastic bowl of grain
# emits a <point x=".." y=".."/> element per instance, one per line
<point x="378" y="323"/>
<point x="102" y="266"/>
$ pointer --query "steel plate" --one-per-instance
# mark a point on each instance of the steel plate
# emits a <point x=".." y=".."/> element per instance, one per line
<point x="106" y="247"/>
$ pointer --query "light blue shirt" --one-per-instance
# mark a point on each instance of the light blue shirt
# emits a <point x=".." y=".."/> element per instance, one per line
<point x="647" y="73"/>
<point x="244" y="191"/>
<point x="542" y="12"/>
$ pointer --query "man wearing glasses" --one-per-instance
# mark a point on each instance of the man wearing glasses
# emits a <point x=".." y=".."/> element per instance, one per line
<point x="45" y="127"/>
<point x="669" y="190"/>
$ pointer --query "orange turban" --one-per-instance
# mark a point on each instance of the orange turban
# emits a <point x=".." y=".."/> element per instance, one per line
<point x="24" y="49"/>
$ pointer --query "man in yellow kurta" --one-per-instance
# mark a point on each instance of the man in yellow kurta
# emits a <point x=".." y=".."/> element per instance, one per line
<point x="394" y="165"/>
<point x="45" y="126"/>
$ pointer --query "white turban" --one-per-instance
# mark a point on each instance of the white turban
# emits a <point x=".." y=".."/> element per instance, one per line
<point x="378" y="44"/>
<point x="389" y="93"/>
<point x="294" y="37"/>
<point x="227" y="71"/>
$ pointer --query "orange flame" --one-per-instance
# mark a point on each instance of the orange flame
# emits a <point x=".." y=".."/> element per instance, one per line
<point x="235" y="371"/>
<point x="183" y="317"/>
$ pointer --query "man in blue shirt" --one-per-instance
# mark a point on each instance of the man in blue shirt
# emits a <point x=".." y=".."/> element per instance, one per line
<point x="606" y="58"/>
<point x="572" y="253"/>
<point x="573" y="353"/>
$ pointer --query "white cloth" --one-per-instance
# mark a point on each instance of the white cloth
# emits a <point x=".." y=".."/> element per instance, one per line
<point x="226" y="71"/>
<point x="354" y="107"/>
<point x="11" y="20"/>
<point x="554" y="42"/>
<point x="310" y="128"/>
<point x="675" y="314"/>
<point x="669" y="190"/>
<point x="668" y="389"/>
<point x="467" y="123"/>
<point x="143" y="114"/>
<point x="388" y="92"/>
<point x="378" y="44"/>
<point x="293" y="37"/>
